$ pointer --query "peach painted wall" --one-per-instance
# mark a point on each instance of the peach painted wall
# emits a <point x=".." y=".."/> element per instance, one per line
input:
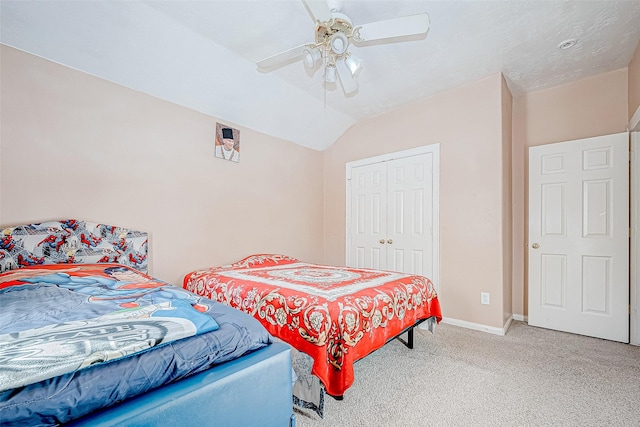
<point x="466" y="122"/>
<point x="77" y="146"/>
<point x="589" y="107"/>
<point x="507" y="201"/>
<point x="518" y="297"/>
<point x="634" y="83"/>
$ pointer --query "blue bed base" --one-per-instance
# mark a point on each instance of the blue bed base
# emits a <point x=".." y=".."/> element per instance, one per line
<point x="254" y="390"/>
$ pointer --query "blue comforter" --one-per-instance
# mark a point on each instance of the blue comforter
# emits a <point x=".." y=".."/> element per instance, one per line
<point x="77" y="339"/>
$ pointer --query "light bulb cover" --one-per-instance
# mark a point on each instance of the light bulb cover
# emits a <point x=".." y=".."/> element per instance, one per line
<point x="330" y="73"/>
<point x="311" y="56"/>
<point x="339" y="43"/>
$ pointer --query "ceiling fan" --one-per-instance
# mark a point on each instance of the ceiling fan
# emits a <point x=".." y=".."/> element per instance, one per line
<point x="334" y="33"/>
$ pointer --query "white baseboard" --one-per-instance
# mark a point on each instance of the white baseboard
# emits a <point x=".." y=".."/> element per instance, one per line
<point x="478" y="326"/>
<point x="520" y="317"/>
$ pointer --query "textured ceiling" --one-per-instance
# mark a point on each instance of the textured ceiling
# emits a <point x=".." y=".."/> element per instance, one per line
<point x="202" y="54"/>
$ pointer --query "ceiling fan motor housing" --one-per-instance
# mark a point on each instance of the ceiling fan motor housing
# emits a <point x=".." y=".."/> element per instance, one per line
<point x="334" y="34"/>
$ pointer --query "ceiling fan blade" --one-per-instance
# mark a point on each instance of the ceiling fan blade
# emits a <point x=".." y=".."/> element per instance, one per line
<point x="398" y="27"/>
<point x="349" y="84"/>
<point x="281" y="58"/>
<point x="319" y="9"/>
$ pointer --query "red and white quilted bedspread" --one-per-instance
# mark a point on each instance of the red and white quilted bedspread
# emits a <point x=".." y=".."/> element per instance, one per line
<point x="336" y="315"/>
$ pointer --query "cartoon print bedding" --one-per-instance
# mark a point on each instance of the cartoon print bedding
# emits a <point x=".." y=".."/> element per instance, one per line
<point x="69" y="322"/>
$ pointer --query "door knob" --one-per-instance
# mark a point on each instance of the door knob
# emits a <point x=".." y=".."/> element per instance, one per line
<point x="389" y="241"/>
<point x="535" y="246"/>
<point x="382" y="241"/>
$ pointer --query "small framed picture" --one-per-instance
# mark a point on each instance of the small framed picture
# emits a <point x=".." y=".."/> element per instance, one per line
<point x="227" y="143"/>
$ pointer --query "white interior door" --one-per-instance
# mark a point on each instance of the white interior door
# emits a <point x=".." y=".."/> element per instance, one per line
<point x="578" y="237"/>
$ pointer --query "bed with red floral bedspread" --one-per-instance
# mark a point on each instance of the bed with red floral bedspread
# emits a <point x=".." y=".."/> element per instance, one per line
<point x="336" y="315"/>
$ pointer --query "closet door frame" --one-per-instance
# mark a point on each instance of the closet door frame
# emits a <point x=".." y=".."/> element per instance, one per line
<point x="634" y="259"/>
<point x="433" y="149"/>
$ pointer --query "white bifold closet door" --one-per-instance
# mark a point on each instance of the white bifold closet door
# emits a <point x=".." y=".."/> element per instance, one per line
<point x="391" y="215"/>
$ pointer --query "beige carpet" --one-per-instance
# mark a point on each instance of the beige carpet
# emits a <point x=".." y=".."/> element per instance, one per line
<point x="461" y="377"/>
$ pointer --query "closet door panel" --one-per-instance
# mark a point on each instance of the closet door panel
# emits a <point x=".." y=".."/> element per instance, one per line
<point x="410" y="214"/>
<point x="368" y="221"/>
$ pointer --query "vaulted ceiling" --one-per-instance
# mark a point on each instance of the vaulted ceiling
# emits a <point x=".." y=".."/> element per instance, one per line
<point x="203" y="54"/>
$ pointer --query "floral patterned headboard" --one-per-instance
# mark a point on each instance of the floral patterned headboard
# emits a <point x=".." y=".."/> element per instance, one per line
<point x="74" y="242"/>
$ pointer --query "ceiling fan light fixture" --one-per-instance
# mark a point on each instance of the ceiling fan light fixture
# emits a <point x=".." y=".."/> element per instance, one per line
<point x="339" y="43"/>
<point x="354" y="64"/>
<point x="332" y="36"/>
<point x="330" y="73"/>
<point x="311" y="56"/>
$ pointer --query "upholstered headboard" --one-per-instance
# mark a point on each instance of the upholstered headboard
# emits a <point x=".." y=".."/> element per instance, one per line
<point x="74" y="242"/>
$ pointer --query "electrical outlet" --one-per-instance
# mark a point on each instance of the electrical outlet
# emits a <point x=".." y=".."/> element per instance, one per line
<point x="484" y="297"/>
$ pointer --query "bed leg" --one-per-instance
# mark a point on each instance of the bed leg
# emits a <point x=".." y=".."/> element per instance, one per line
<point x="410" y="339"/>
